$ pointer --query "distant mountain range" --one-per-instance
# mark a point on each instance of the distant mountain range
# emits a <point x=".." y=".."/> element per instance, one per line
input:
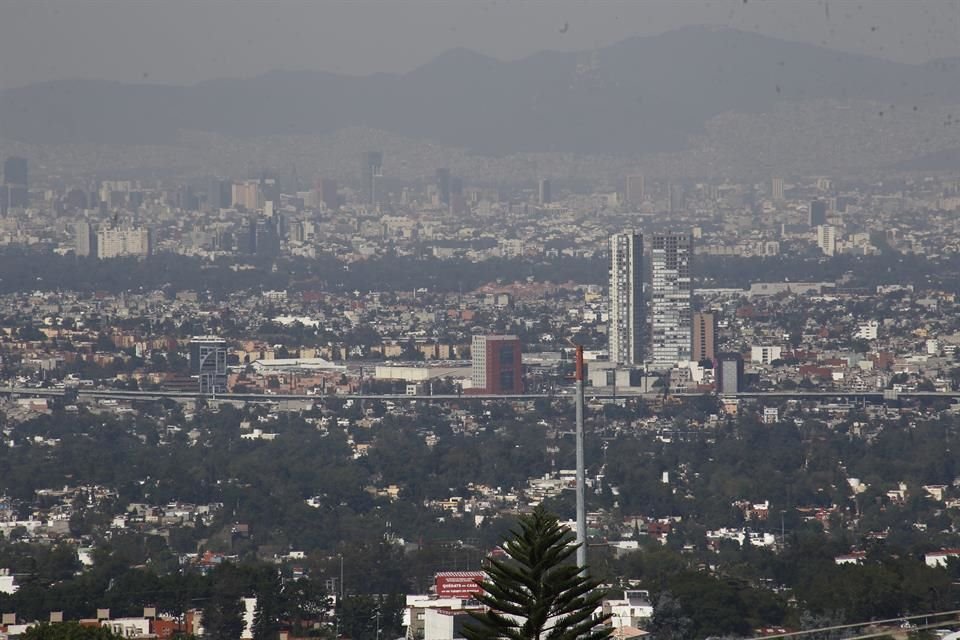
<point x="641" y="95"/>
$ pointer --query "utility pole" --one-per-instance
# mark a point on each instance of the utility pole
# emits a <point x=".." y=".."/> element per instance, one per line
<point x="581" y="473"/>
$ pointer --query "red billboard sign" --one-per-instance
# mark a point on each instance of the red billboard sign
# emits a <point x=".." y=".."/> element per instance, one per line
<point x="458" y="584"/>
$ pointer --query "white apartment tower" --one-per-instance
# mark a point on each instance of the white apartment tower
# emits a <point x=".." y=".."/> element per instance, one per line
<point x="672" y="289"/>
<point x="626" y="310"/>
<point x="827" y="239"/>
<point x="113" y="243"/>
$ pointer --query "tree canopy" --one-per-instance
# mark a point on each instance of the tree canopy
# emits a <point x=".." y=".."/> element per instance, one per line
<point x="535" y="592"/>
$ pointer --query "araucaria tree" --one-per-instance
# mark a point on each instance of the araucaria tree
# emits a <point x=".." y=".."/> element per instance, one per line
<point x="535" y="592"/>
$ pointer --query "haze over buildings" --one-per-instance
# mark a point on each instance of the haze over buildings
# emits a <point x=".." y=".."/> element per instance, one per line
<point x="287" y="334"/>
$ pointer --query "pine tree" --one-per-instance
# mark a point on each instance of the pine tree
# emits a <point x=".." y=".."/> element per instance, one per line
<point x="266" y="617"/>
<point x="535" y="593"/>
<point x="223" y="617"/>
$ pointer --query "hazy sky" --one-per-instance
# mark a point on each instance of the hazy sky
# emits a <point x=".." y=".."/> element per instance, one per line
<point x="185" y="41"/>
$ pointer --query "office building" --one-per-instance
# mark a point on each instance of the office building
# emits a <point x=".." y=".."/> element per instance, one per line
<point x="458" y="204"/>
<point x="675" y="197"/>
<point x="818" y="213"/>
<point x="84" y="239"/>
<point x="247" y="195"/>
<point x="544" y="196"/>
<point x="263" y="236"/>
<point x="185" y="199"/>
<point x="443" y="185"/>
<point x="704" y="326"/>
<point x="762" y="354"/>
<point x="827" y="239"/>
<point x="208" y="362"/>
<point x="15" y="184"/>
<point x="497" y="366"/>
<point x="371" y="168"/>
<point x="625" y="329"/>
<point x="671" y="292"/>
<point x="729" y="373"/>
<point x="116" y="243"/>
<point x="776" y="189"/>
<point x="219" y="194"/>
<point x="325" y="194"/>
<point x="269" y="190"/>
<point x="634" y="191"/>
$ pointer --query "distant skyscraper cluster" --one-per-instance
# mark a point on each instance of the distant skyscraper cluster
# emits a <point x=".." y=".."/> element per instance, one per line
<point x="110" y="242"/>
<point x="671" y="336"/>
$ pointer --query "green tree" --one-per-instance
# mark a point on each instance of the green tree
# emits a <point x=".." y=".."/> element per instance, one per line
<point x="266" y="619"/>
<point x="223" y="614"/>
<point x="68" y="631"/>
<point x="669" y="621"/>
<point x="535" y="592"/>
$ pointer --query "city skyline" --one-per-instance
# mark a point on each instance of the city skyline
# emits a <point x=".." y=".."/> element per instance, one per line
<point x="287" y="353"/>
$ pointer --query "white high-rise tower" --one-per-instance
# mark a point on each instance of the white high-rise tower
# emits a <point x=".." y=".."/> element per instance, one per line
<point x="626" y="309"/>
<point x="672" y="289"/>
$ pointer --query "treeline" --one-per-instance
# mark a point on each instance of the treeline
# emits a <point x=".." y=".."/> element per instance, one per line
<point x="791" y="465"/>
<point x="735" y="591"/>
<point x="267" y="483"/>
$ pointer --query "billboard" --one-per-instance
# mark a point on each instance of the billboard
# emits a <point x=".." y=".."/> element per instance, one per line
<point x="458" y="584"/>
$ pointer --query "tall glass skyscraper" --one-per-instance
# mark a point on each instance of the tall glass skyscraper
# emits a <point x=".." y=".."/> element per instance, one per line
<point x="371" y="168"/>
<point x="672" y="289"/>
<point x="626" y="310"/>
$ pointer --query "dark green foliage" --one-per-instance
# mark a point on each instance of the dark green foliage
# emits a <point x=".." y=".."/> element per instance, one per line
<point x="266" y="619"/>
<point x="223" y="613"/>
<point x="68" y="631"/>
<point x="536" y="592"/>
<point x="368" y="616"/>
<point x="305" y="600"/>
<point x="669" y="621"/>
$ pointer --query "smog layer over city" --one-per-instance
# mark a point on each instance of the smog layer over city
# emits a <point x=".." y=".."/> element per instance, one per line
<point x="521" y="320"/>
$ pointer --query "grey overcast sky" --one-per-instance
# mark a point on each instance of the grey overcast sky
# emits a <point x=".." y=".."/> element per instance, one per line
<point x="186" y="41"/>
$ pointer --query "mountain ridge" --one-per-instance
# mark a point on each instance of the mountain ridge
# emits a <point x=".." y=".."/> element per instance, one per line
<point x="642" y="94"/>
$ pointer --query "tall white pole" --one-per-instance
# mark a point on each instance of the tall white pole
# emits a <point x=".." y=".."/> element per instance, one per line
<point x="581" y="473"/>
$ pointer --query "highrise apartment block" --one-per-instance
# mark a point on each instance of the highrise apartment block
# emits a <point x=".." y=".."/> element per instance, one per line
<point x="827" y="239"/>
<point x="497" y="365"/>
<point x="114" y="243"/>
<point x="671" y="291"/>
<point x="626" y="306"/>
<point x="208" y="362"/>
<point x="704" y="326"/>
